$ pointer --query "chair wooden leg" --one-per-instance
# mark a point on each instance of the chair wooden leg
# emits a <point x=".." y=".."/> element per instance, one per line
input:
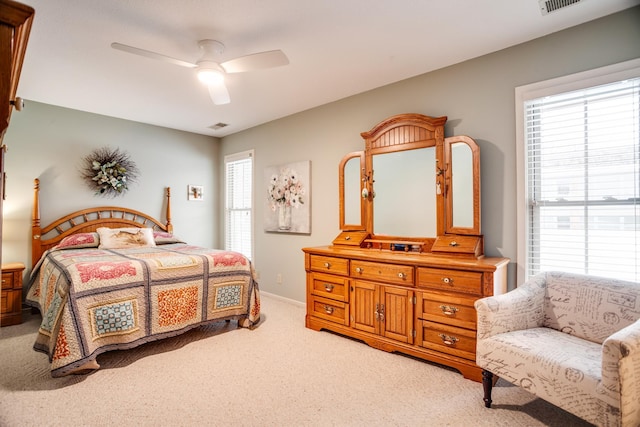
<point x="487" y="385"/>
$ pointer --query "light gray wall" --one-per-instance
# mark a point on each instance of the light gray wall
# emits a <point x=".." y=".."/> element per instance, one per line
<point x="49" y="143"/>
<point x="478" y="98"/>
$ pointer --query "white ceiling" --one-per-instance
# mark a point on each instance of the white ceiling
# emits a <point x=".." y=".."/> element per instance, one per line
<point x="336" y="48"/>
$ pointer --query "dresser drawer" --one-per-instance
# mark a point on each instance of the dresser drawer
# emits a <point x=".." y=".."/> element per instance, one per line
<point x="450" y="280"/>
<point x="4" y="301"/>
<point x="448" y="339"/>
<point x="324" y="308"/>
<point x="11" y="301"/>
<point x="330" y="286"/>
<point x="381" y="272"/>
<point x="450" y="309"/>
<point x="470" y="245"/>
<point x="7" y="281"/>
<point x="329" y="264"/>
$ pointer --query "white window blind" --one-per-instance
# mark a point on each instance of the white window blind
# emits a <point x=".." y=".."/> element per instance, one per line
<point x="239" y="203"/>
<point x="583" y="181"/>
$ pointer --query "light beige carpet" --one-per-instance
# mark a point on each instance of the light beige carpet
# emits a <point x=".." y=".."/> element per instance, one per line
<point x="279" y="374"/>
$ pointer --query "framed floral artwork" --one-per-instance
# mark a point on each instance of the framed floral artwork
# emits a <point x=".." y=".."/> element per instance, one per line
<point x="288" y="198"/>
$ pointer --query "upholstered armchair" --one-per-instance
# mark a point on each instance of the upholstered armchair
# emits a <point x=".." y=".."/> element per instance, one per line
<point x="572" y="340"/>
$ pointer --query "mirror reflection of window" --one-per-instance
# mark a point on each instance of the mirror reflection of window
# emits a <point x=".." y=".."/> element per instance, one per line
<point x="405" y="193"/>
<point x="462" y="184"/>
<point x="352" y="191"/>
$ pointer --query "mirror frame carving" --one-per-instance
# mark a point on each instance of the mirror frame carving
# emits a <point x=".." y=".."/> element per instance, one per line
<point x="407" y="132"/>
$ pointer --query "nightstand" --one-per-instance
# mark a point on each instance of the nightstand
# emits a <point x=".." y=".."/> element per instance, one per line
<point x="11" y="308"/>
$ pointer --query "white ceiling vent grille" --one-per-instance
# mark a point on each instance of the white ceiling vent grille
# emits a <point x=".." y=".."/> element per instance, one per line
<point x="219" y="125"/>
<point x="548" y="6"/>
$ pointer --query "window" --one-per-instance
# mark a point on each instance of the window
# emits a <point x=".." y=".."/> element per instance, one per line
<point x="581" y="177"/>
<point x="239" y="203"/>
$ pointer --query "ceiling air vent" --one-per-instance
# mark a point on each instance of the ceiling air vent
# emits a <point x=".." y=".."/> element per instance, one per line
<point x="548" y="6"/>
<point x="218" y="125"/>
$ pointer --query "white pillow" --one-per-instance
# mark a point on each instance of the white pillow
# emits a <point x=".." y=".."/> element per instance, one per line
<point x="121" y="238"/>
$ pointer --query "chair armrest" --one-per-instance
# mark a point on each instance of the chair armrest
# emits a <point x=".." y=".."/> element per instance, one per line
<point x="521" y="308"/>
<point x="621" y="372"/>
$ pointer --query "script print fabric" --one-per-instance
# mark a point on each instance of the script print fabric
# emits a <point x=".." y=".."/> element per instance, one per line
<point x="96" y="300"/>
<point x="571" y="339"/>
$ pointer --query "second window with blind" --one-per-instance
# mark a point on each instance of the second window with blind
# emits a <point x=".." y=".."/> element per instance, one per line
<point x="582" y="180"/>
<point x="239" y="203"/>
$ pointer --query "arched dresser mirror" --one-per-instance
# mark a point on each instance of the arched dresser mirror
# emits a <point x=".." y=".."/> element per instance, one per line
<point x="409" y="262"/>
<point x="417" y="190"/>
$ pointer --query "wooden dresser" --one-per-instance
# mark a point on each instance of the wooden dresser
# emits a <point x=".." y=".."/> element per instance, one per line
<point x="400" y="293"/>
<point x="418" y="304"/>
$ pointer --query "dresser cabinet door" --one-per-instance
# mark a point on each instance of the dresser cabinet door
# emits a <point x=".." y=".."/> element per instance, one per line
<point x="364" y="306"/>
<point x="382" y="310"/>
<point x="396" y="315"/>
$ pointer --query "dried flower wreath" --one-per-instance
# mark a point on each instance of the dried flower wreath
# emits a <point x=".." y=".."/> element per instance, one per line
<point x="109" y="172"/>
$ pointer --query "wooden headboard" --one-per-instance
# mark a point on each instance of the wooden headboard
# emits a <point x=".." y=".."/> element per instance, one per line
<point x="87" y="220"/>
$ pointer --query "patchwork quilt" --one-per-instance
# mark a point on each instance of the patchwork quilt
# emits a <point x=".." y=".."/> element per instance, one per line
<point x="95" y="300"/>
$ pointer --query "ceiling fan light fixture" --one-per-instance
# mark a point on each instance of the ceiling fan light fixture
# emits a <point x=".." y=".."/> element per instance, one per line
<point x="210" y="73"/>
<point x="210" y="77"/>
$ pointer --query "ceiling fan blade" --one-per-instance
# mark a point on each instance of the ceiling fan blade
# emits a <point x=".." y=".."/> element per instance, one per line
<point x="219" y="94"/>
<point x="256" y="61"/>
<point x="152" y="55"/>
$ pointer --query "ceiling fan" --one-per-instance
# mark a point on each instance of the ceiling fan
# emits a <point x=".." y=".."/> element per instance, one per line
<point x="212" y="72"/>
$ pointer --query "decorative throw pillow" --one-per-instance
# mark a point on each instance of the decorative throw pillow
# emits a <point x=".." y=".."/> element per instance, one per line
<point x="164" y="238"/>
<point x="122" y="238"/>
<point x="80" y="240"/>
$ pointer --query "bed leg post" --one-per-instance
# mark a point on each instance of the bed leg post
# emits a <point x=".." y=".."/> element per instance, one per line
<point x="168" y="212"/>
<point x="36" y="250"/>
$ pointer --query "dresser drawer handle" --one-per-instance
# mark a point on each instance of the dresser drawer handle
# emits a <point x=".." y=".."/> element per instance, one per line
<point x="448" y="310"/>
<point x="447" y="280"/>
<point x="453" y="243"/>
<point x="328" y="309"/>
<point x="359" y="270"/>
<point x="448" y="339"/>
<point x="328" y="287"/>
<point x="402" y="275"/>
<point x="347" y="238"/>
<point x="327" y="265"/>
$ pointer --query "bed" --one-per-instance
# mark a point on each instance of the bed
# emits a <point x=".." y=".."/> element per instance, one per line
<point x="111" y="278"/>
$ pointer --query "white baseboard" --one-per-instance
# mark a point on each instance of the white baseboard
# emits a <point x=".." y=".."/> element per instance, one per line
<point x="283" y="299"/>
